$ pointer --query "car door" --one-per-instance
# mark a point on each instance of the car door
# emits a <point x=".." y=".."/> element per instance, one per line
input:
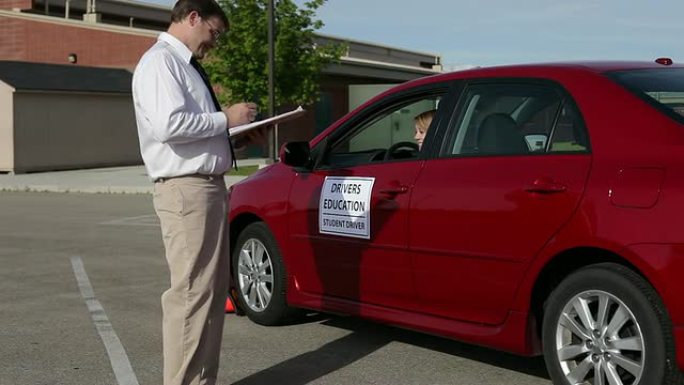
<point x="510" y="172"/>
<point x="348" y="217"/>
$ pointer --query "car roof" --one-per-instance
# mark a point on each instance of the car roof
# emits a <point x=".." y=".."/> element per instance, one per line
<point x="596" y="66"/>
<point x="538" y="70"/>
<point x="543" y="70"/>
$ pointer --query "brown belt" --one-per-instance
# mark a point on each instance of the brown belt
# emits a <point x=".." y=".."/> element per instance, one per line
<point x="201" y="176"/>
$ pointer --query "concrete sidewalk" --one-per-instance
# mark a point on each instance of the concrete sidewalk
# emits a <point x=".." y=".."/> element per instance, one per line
<point x="121" y="180"/>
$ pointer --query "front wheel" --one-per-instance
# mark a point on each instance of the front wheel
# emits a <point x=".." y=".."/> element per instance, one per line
<point x="604" y="324"/>
<point x="260" y="277"/>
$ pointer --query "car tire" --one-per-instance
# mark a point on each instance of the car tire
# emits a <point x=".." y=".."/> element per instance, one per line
<point x="640" y="350"/>
<point x="260" y="277"/>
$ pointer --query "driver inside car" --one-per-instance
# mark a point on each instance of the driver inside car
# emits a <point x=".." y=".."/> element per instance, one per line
<point x="422" y="123"/>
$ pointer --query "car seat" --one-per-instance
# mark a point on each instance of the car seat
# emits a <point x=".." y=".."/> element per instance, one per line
<point x="498" y="134"/>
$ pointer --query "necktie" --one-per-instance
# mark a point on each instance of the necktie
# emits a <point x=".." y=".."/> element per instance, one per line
<point x="205" y="78"/>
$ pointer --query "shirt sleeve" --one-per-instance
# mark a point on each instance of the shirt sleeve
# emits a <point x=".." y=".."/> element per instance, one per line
<point x="174" y="115"/>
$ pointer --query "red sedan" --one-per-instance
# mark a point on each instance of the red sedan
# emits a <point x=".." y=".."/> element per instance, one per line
<point x="536" y="209"/>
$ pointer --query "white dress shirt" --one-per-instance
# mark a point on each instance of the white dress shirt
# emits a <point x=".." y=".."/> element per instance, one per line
<point x="179" y="129"/>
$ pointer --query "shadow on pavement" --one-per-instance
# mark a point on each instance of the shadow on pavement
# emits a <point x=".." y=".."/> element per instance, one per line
<point x="365" y="338"/>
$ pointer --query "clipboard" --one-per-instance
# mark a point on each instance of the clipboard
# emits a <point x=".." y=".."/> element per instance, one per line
<point x="299" y="111"/>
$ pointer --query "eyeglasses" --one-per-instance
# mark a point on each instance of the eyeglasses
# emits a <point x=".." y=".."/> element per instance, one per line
<point x="215" y="32"/>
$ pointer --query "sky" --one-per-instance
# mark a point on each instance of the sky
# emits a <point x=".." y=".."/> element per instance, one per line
<point x="494" y="32"/>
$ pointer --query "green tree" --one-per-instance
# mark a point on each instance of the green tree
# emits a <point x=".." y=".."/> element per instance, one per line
<point x="239" y="65"/>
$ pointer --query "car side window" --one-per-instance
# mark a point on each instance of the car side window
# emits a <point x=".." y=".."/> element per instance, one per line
<point x="569" y="135"/>
<point x="515" y="119"/>
<point x="387" y="133"/>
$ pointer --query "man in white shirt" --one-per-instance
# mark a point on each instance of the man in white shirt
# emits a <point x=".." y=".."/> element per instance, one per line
<point x="186" y="149"/>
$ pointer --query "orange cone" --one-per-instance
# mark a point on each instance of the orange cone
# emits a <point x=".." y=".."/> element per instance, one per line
<point x="229" y="306"/>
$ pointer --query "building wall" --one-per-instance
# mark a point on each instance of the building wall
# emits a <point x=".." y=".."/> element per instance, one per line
<point x="56" y="131"/>
<point x="6" y="128"/>
<point x="44" y="42"/>
<point x="12" y="39"/>
<point x="10" y="4"/>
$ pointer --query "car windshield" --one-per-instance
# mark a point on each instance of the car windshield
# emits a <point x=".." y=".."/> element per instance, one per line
<point x="664" y="88"/>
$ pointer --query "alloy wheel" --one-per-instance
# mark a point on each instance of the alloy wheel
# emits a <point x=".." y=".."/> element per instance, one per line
<point x="255" y="275"/>
<point x="599" y="341"/>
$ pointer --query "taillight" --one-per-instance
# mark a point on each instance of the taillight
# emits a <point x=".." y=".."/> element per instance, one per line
<point x="666" y="61"/>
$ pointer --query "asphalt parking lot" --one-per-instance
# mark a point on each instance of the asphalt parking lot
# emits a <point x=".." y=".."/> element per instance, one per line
<point x="83" y="271"/>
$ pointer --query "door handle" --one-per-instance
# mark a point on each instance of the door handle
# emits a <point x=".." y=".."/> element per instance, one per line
<point x="392" y="191"/>
<point x="542" y="186"/>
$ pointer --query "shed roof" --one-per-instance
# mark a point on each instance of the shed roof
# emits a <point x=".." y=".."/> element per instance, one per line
<point x="58" y="77"/>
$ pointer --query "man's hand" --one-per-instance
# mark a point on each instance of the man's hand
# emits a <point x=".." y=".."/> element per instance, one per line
<point x="240" y="113"/>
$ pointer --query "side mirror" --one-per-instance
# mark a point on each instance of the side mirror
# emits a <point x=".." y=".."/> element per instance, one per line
<point x="296" y="154"/>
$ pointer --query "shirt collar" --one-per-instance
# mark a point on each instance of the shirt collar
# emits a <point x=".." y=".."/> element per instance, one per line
<point x="180" y="48"/>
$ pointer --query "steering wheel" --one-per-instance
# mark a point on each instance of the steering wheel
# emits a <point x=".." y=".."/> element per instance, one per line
<point x="412" y="146"/>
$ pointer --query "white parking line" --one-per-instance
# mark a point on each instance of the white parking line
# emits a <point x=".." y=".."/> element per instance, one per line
<point x="117" y="355"/>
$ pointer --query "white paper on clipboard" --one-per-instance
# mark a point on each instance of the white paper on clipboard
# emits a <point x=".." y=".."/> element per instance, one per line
<point x="272" y="120"/>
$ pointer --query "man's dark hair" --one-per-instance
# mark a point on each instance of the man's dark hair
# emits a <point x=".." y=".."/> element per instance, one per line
<point x="205" y="8"/>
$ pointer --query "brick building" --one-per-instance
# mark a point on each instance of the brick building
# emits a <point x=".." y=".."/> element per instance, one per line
<point x="38" y="38"/>
<point x="115" y="33"/>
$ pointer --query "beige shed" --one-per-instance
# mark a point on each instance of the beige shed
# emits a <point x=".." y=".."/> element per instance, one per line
<point x="57" y="117"/>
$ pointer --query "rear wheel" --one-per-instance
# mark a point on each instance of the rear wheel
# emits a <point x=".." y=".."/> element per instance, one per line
<point x="260" y="277"/>
<point x="604" y="324"/>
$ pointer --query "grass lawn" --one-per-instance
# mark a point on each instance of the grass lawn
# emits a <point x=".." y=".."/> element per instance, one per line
<point x="244" y="170"/>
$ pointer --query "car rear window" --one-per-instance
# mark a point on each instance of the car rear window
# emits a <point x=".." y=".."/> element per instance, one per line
<point x="663" y="88"/>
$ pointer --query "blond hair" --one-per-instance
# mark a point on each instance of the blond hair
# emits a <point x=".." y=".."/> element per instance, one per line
<point x="424" y="119"/>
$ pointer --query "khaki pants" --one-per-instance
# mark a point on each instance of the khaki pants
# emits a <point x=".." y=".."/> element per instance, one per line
<point x="192" y="212"/>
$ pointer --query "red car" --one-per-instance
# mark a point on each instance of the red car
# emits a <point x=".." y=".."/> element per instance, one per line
<point x="543" y="214"/>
